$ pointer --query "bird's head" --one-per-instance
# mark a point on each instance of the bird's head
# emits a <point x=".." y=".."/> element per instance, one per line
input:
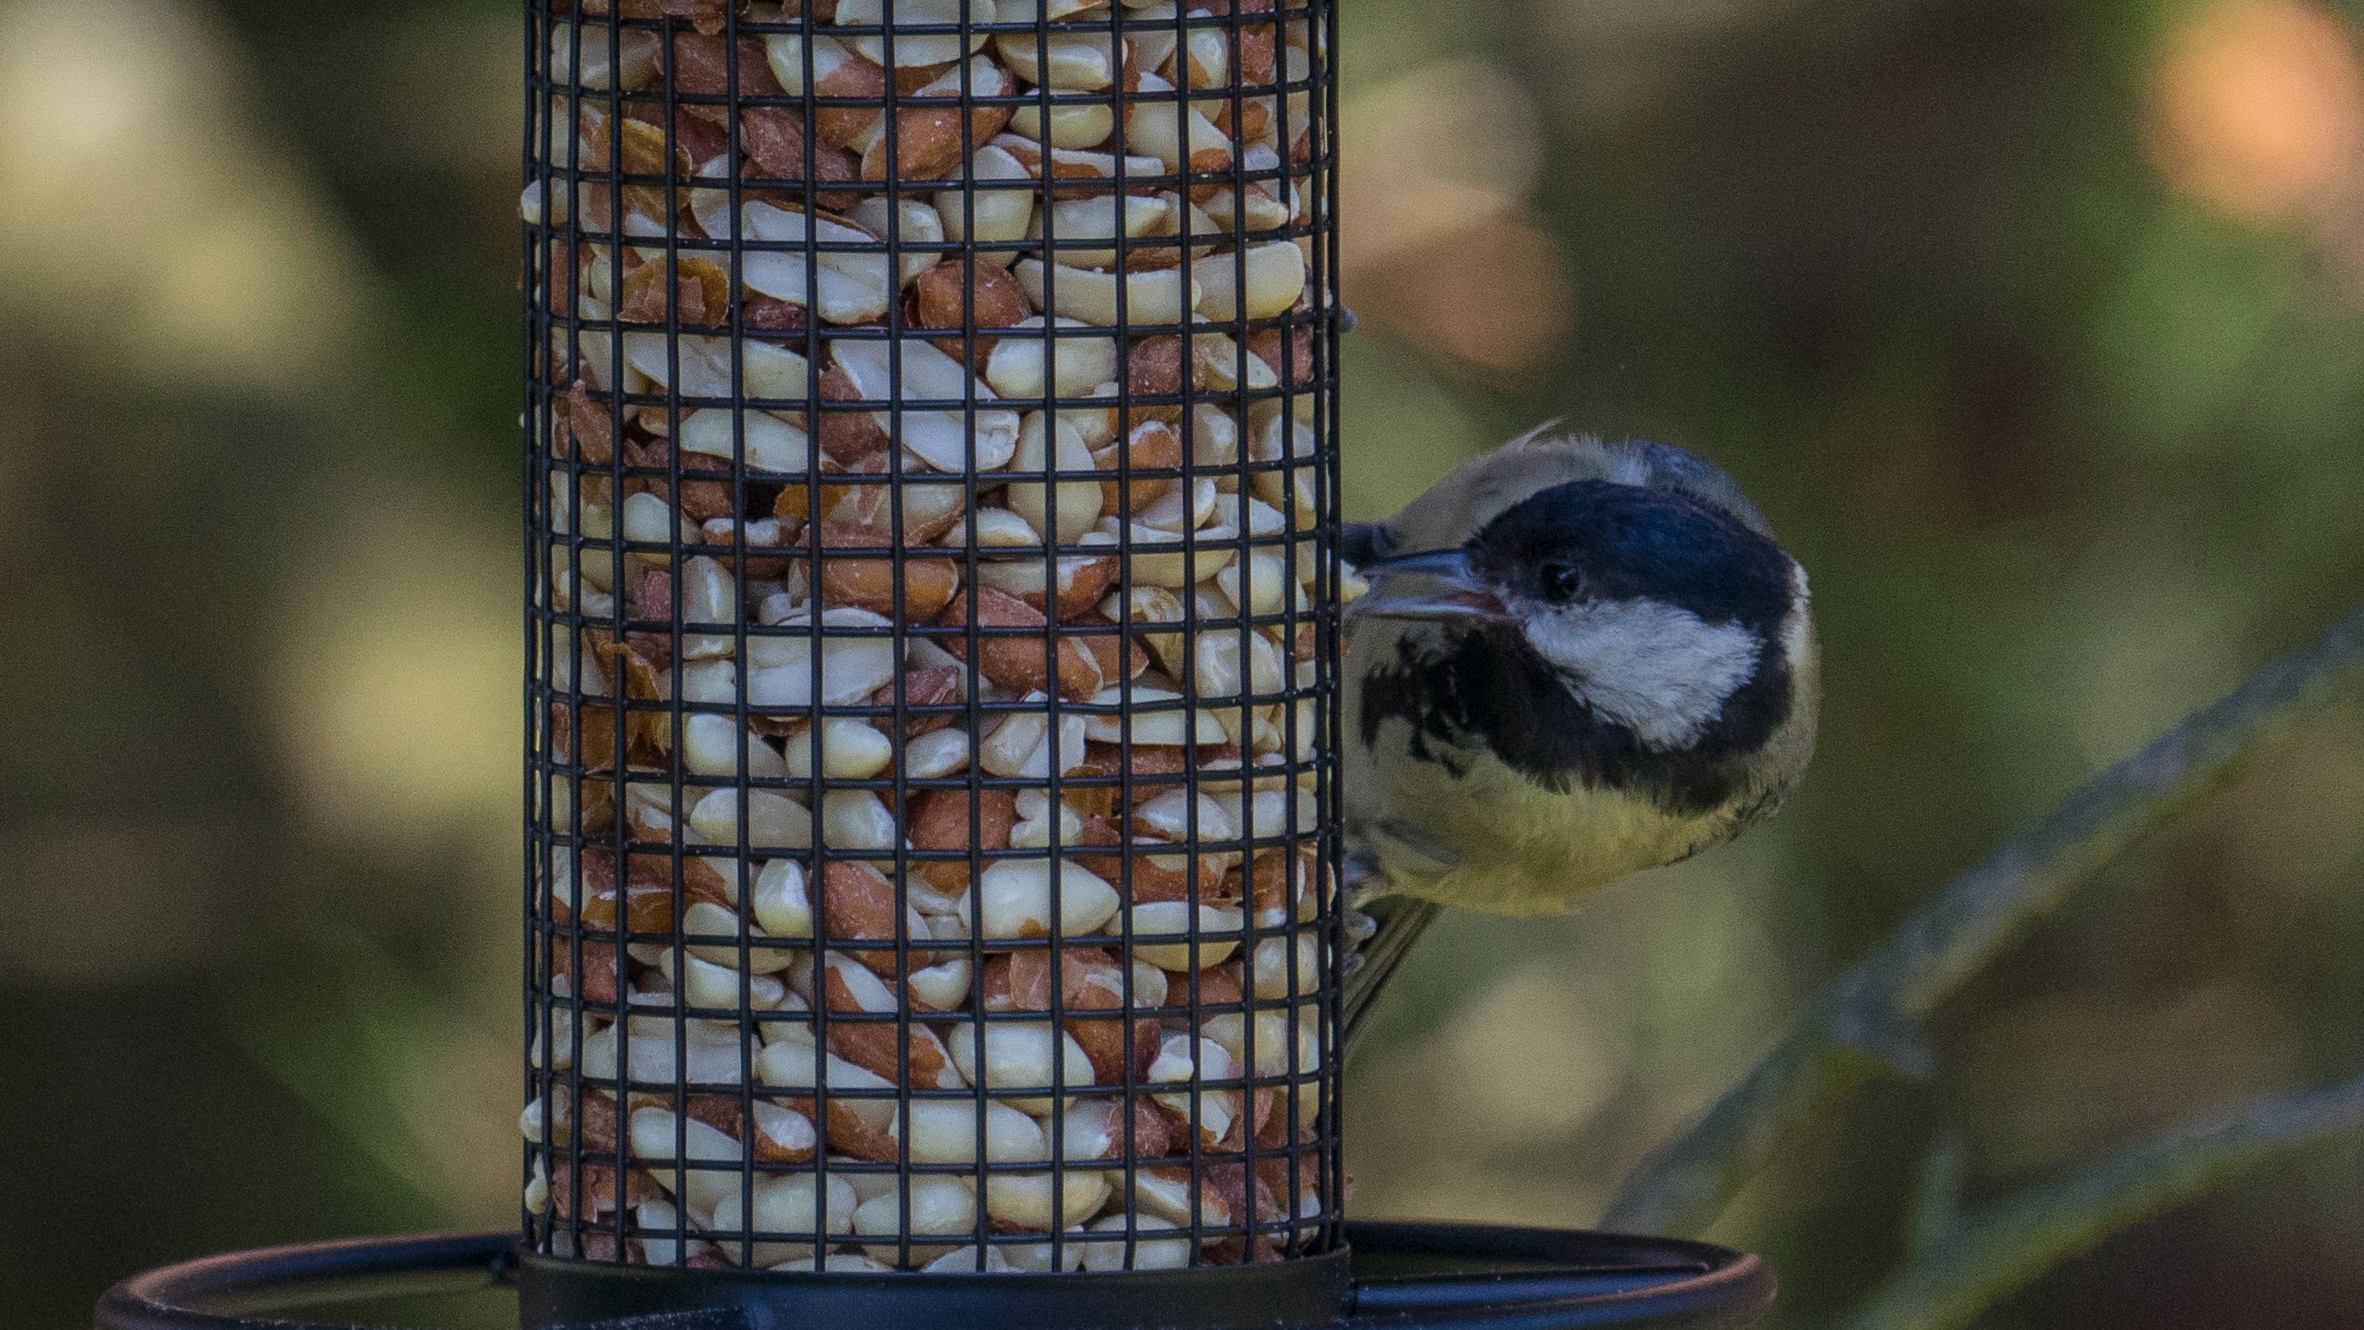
<point x="1654" y="606"/>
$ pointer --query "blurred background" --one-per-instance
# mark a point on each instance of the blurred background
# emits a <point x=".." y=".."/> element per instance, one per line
<point x="2036" y="327"/>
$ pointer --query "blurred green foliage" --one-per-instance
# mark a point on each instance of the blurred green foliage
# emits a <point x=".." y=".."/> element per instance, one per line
<point x="2068" y="430"/>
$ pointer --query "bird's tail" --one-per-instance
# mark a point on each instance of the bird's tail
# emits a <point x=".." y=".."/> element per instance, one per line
<point x="1400" y="920"/>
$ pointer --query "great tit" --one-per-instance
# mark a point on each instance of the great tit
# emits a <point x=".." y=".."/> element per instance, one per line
<point x="1577" y="660"/>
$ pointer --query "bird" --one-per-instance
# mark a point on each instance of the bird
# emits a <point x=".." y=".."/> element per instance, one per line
<point x="1576" y="660"/>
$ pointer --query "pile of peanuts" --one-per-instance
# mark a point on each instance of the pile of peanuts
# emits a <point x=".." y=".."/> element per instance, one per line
<point x="932" y="742"/>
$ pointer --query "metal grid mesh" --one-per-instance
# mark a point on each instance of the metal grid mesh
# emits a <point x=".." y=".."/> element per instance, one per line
<point x="931" y="698"/>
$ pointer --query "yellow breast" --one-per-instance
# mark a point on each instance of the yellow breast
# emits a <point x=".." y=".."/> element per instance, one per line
<point x="1495" y="841"/>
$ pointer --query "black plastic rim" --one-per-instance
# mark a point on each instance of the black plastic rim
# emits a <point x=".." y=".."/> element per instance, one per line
<point x="246" y="1290"/>
<point x="1314" y="1290"/>
<point x="1403" y="1277"/>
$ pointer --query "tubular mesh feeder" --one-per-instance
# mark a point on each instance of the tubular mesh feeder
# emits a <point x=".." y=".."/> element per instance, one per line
<point x="933" y="635"/>
<point x="934" y="638"/>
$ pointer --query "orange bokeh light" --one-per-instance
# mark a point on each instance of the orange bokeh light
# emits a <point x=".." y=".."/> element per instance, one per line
<point x="1496" y="296"/>
<point x="2258" y="107"/>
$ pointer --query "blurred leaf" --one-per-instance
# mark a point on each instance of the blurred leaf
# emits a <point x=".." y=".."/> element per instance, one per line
<point x="397" y="1065"/>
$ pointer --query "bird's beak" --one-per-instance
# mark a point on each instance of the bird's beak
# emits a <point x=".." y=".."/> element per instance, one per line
<point x="1464" y="595"/>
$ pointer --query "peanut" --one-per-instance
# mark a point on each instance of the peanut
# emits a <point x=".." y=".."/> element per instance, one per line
<point x="1013" y="661"/>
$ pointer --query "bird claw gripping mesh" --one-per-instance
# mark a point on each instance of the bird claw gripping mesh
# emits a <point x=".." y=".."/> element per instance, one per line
<point x="933" y="586"/>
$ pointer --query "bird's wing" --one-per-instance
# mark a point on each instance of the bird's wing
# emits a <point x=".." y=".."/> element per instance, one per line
<point x="1400" y="920"/>
<point x="1453" y="509"/>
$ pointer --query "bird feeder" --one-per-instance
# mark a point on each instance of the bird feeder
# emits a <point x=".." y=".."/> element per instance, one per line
<point x="933" y="638"/>
<point x="936" y="640"/>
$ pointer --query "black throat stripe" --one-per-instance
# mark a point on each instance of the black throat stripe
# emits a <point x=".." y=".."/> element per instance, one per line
<point x="1487" y="688"/>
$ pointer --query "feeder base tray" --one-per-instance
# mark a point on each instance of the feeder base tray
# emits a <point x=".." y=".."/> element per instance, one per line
<point x="1396" y="1277"/>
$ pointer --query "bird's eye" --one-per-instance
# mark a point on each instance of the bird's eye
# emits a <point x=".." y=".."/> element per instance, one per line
<point x="1561" y="582"/>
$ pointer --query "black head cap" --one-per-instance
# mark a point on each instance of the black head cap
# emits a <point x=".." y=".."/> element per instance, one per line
<point x="1600" y="540"/>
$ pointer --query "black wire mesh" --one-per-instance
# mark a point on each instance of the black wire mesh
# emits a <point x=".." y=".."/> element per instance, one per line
<point x="932" y="612"/>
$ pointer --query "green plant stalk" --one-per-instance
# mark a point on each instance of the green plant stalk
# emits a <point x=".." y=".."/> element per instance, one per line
<point x="355" y="1061"/>
<point x="1960" y="1267"/>
<point x="1866" y="1022"/>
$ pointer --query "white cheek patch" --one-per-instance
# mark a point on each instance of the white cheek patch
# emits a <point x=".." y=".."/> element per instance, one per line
<point x="1658" y="670"/>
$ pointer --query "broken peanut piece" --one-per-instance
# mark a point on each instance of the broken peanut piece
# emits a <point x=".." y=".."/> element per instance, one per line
<point x="940" y="820"/>
<point x="926" y="585"/>
<point x="1015" y="661"/>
